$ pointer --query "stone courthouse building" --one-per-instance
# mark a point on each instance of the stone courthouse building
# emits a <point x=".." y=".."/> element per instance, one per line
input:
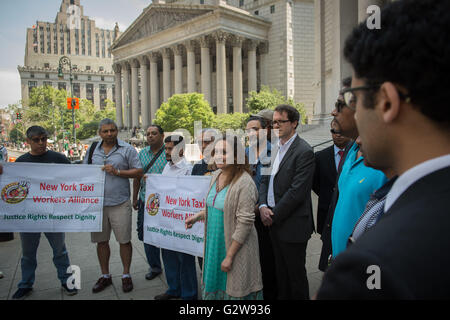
<point x="225" y="49"/>
<point x="74" y="35"/>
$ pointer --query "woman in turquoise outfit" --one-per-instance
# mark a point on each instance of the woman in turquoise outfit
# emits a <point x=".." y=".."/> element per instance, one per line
<point x="231" y="268"/>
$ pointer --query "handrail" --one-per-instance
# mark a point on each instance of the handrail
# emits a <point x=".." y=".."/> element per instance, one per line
<point x="328" y="141"/>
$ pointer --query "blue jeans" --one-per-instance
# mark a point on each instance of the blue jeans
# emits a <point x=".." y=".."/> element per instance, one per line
<point x="151" y="252"/>
<point x="30" y="244"/>
<point x="181" y="274"/>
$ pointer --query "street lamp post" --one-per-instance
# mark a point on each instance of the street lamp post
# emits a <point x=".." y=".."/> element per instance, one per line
<point x="66" y="61"/>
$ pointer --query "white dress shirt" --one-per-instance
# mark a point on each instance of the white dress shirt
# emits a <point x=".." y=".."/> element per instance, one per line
<point x="181" y="168"/>
<point x="412" y="175"/>
<point x="282" y="150"/>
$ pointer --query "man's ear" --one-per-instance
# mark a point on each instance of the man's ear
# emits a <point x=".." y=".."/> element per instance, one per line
<point x="389" y="102"/>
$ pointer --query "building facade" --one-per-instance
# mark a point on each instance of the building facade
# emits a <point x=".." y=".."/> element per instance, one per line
<point x="73" y="35"/>
<point x="225" y="49"/>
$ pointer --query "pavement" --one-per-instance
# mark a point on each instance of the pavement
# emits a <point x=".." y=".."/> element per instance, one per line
<point x="83" y="254"/>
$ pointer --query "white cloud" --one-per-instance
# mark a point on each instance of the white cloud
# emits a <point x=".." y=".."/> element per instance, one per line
<point x="10" y="87"/>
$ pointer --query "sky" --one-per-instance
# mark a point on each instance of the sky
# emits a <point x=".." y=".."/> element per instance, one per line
<point x="18" y="15"/>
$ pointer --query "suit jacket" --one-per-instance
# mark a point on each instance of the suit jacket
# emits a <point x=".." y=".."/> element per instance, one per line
<point x="410" y="246"/>
<point x="292" y="219"/>
<point x="323" y="184"/>
<point x="326" y="230"/>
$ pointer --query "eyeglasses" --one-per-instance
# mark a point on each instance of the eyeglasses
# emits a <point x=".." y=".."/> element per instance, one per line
<point x="37" y="140"/>
<point x="280" y="122"/>
<point x="339" y="105"/>
<point x="350" y="98"/>
<point x="334" y="131"/>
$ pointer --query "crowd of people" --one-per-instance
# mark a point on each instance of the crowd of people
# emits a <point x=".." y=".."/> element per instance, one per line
<point x="382" y="186"/>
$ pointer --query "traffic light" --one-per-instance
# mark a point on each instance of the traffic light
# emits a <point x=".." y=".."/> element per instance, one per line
<point x="19" y="116"/>
<point x="73" y="103"/>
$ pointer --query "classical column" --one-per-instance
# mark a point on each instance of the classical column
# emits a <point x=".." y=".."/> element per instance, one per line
<point x="252" y="65"/>
<point x="221" y="72"/>
<point x="118" y="92"/>
<point x="237" y="74"/>
<point x="263" y="51"/>
<point x="178" y="70"/>
<point x="145" y="107"/>
<point x="154" y="85"/>
<point x="191" y="82"/>
<point x="134" y="93"/>
<point x="166" y="73"/>
<point x="126" y="95"/>
<point x="205" y="68"/>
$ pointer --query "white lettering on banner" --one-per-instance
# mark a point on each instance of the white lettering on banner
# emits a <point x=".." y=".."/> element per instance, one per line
<point x="169" y="201"/>
<point x="41" y="197"/>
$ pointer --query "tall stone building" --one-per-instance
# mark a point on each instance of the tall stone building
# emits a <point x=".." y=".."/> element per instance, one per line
<point x="225" y="49"/>
<point x="74" y="35"/>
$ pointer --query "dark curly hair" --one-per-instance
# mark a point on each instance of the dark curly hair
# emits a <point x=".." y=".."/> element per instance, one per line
<point x="412" y="49"/>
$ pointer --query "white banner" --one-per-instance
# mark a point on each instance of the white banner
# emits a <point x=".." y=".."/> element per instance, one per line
<point x="41" y="197"/>
<point x="169" y="201"/>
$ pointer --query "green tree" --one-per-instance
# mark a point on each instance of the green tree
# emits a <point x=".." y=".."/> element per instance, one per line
<point x="270" y="99"/>
<point x="182" y="110"/>
<point x="233" y="121"/>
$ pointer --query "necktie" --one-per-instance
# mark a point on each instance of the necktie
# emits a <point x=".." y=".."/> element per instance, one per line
<point x="340" y="153"/>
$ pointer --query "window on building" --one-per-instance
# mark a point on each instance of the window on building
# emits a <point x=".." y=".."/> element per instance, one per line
<point x="241" y="3"/>
<point x="102" y="78"/>
<point x="76" y="90"/>
<point x="256" y="13"/>
<point x="75" y="77"/>
<point x="101" y="69"/>
<point x="61" y="85"/>
<point x="272" y="9"/>
<point x="88" y="68"/>
<point x="46" y="65"/>
<point x="48" y="83"/>
<point x="114" y="93"/>
<point x="90" y="92"/>
<point x="31" y="85"/>
<point x="202" y="1"/>
<point x="89" y="78"/>
<point x="47" y="76"/>
<point x="32" y="75"/>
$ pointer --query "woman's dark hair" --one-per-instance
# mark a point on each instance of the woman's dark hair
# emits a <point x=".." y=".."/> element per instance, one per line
<point x="412" y="50"/>
<point x="240" y="161"/>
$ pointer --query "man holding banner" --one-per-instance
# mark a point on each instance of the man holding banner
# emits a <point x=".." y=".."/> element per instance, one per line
<point x="179" y="267"/>
<point x="120" y="162"/>
<point x="37" y="139"/>
<point x="153" y="160"/>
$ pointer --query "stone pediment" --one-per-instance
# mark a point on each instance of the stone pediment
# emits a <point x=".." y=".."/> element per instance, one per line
<point x="158" y="18"/>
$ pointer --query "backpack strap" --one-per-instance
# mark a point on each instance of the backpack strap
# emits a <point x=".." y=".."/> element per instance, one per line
<point x="91" y="151"/>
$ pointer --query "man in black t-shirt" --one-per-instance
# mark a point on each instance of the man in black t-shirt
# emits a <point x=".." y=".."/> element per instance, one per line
<point x="37" y="139"/>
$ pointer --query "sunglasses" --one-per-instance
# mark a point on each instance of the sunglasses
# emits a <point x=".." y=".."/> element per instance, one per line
<point x="334" y="131"/>
<point x="37" y="140"/>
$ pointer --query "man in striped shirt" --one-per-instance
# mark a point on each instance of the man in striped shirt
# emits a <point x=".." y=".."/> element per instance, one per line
<point x="155" y="139"/>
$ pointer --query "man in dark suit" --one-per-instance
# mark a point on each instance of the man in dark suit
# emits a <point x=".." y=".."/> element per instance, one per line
<point x="325" y="174"/>
<point x="404" y="125"/>
<point x="285" y="204"/>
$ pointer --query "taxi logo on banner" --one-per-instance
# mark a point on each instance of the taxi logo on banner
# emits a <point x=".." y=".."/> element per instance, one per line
<point x="15" y="192"/>
<point x="152" y="204"/>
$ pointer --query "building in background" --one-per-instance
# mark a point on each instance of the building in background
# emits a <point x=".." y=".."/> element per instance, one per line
<point x="225" y="49"/>
<point x="74" y="35"/>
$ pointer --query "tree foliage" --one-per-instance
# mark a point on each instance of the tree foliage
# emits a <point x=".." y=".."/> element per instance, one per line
<point x="270" y="99"/>
<point x="47" y="107"/>
<point x="182" y="110"/>
<point x="233" y="121"/>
